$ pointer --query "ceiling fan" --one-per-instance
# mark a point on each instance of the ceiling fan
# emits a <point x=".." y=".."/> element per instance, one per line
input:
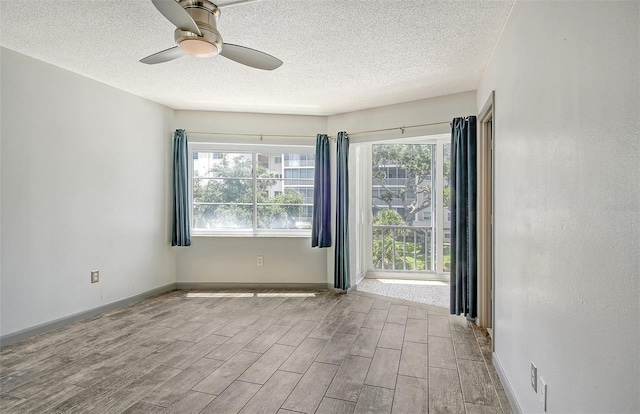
<point x="197" y="35"/>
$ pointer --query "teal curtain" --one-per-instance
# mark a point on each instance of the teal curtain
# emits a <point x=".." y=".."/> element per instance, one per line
<point x="464" y="272"/>
<point x="321" y="224"/>
<point x="342" y="280"/>
<point x="181" y="231"/>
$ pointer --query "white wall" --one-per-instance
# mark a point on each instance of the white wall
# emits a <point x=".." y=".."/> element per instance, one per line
<point x="233" y="259"/>
<point x="567" y="208"/>
<point x="85" y="185"/>
<point x="439" y="111"/>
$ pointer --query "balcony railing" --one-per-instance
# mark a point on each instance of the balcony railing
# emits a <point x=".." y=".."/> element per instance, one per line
<point x="399" y="181"/>
<point x="403" y="248"/>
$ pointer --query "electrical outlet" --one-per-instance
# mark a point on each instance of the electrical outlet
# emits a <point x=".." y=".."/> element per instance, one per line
<point x="543" y="394"/>
<point x="95" y="276"/>
<point x="260" y="260"/>
<point x="534" y="377"/>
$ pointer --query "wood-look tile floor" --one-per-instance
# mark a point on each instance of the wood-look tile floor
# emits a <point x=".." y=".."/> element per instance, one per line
<point x="263" y="352"/>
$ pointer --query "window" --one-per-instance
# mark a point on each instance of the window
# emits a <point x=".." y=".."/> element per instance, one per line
<point x="242" y="190"/>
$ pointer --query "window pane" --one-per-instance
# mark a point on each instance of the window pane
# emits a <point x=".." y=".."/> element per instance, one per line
<point x="281" y="201"/>
<point x="402" y="206"/>
<point x="222" y="216"/>
<point x="218" y="164"/>
<point x="222" y="190"/>
<point x="269" y="188"/>
<point x="281" y="206"/>
<point x="446" y="189"/>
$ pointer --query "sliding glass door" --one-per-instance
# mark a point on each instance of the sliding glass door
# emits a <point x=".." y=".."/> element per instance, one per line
<point x="409" y="208"/>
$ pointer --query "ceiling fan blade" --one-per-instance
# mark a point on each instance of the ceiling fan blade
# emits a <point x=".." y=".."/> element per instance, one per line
<point x="176" y="15"/>
<point x="164" y="56"/>
<point x="250" y="57"/>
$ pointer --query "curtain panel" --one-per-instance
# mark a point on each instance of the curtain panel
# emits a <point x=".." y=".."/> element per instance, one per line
<point x="342" y="277"/>
<point x="321" y="221"/>
<point x="464" y="272"/>
<point x="181" y="231"/>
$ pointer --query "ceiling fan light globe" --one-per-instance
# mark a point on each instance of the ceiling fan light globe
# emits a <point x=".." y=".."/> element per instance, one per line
<point x="199" y="48"/>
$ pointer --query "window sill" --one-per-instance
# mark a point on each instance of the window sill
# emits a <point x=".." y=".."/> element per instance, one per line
<point x="253" y="235"/>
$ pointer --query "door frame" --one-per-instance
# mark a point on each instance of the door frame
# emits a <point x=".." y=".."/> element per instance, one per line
<point x="486" y="222"/>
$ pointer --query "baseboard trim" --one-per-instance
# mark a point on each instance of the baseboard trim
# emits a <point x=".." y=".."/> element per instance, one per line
<point x="515" y="407"/>
<point x="23" y="334"/>
<point x="224" y="285"/>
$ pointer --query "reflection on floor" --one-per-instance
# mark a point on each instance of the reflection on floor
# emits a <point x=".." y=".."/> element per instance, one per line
<point x="422" y="291"/>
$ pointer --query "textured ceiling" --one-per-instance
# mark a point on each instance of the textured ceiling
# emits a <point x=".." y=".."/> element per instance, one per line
<point x="339" y="55"/>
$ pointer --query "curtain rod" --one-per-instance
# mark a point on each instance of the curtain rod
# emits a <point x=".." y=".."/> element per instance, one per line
<point x="261" y="136"/>
<point x="252" y="135"/>
<point x="401" y="128"/>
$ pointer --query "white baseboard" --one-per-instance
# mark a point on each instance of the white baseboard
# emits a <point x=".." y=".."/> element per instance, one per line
<point x="515" y="407"/>
<point x="23" y="334"/>
<point x="223" y="285"/>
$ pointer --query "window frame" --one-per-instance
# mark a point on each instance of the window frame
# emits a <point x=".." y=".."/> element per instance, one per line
<point x="254" y="150"/>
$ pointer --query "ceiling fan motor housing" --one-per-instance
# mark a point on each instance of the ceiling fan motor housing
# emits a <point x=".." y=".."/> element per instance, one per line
<point x="205" y="14"/>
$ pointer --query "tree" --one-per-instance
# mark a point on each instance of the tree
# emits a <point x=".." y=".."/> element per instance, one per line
<point x="388" y="218"/>
<point x="282" y="213"/>
<point x="232" y="192"/>
<point x="414" y="162"/>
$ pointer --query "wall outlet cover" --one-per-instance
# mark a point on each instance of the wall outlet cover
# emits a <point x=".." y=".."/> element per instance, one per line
<point x="534" y="377"/>
<point x="543" y="394"/>
<point x="95" y="276"/>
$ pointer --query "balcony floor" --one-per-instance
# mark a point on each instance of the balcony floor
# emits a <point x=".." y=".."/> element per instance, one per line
<point x="423" y="291"/>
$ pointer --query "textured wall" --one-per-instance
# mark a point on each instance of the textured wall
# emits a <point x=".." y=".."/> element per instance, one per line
<point x="85" y="185"/>
<point x="438" y="111"/>
<point x="567" y="208"/>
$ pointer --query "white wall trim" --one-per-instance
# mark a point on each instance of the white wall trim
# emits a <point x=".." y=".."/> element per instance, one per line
<point x="398" y="275"/>
<point x="223" y="285"/>
<point x="515" y="407"/>
<point x="23" y="334"/>
<point x="485" y="216"/>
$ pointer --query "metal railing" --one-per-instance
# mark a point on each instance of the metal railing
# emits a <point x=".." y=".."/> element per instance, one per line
<point x="403" y="248"/>
<point x="399" y="181"/>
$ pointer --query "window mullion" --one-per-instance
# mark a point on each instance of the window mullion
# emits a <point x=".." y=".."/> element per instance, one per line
<point x="439" y="207"/>
<point x="254" y="174"/>
<point x="191" y="177"/>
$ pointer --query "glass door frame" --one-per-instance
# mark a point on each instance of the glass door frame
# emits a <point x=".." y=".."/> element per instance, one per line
<point x="438" y="211"/>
